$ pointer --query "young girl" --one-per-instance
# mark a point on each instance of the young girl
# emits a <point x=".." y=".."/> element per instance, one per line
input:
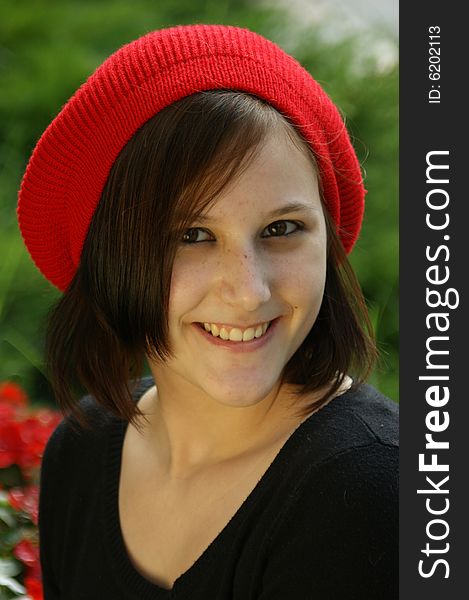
<point x="195" y="201"/>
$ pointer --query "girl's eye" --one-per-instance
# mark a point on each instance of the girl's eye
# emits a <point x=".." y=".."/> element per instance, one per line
<point x="281" y="228"/>
<point x="191" y="236"/>
<point x="195" y="235"/>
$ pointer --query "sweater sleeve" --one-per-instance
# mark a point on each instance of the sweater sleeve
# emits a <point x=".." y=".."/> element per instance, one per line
<point x="50" y="484"/>
<point x="338" y="538"/>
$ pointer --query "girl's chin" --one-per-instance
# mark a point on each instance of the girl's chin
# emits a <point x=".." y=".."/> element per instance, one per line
<point x="241" y="395"/>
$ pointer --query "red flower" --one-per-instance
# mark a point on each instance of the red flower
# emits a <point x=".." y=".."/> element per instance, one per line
<point x="26" y="500"/>
<point x="33" y="588"/>
<point x="23" y="436"/>
<point x="7" y="411"/>
<point x="26" y="552"/>
<point x="34" y="433"/>
<point x="12" y="394"/>
<point x="10" y="442"/>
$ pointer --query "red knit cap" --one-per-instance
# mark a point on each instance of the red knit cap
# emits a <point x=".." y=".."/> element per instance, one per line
<point x="71" y="162"/>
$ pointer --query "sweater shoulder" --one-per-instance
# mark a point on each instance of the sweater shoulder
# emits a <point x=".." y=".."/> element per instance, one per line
<point x="341" y="517"/>
<point x="352" y="443"/>
<point x="359" y="417"/>
<point x="378" y="413"/>
<point x="353" y="455"/>
<point x="69" y="437"/>
<point x="347" y="471"/>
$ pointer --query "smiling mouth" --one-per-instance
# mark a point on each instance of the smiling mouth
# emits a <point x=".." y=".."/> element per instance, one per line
<point x="235" y="334"/>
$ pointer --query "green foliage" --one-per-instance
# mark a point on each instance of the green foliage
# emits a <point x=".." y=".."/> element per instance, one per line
<point x="49" y="47"/>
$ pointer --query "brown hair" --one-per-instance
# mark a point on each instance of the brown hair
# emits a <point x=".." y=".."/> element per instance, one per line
<point x="115" y="309"/>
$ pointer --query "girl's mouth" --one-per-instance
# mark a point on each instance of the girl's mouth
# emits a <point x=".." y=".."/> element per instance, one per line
<point x="236" y="334"/>
<point x="238" y="339"/>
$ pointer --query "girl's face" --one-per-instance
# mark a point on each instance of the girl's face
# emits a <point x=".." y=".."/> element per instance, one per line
<point x="256" y="260"/>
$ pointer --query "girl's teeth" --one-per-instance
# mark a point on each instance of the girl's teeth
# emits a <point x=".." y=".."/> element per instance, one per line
<point x="248" y="335"/>
<point x="235" y="334"/>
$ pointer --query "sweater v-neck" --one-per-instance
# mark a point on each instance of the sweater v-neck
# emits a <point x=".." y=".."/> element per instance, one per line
<point x="119" y="558"/>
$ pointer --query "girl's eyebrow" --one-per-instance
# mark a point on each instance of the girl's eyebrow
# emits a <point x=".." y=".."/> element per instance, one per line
<point x="277" y="212"/>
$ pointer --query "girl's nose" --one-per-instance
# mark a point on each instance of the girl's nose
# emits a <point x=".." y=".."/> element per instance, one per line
<point x="244" y="280"/>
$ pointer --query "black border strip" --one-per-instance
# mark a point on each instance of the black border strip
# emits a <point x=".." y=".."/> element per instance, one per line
<point x="434" y="269"/>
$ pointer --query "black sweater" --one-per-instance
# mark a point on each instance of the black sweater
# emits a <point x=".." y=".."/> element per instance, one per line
<point x="322" y="522"/>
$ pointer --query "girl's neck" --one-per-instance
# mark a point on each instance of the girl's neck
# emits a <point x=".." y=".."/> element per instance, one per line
<point x="184" y="435"/>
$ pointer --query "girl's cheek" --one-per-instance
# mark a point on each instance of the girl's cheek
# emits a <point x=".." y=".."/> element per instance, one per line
<point x="189" y="276"/>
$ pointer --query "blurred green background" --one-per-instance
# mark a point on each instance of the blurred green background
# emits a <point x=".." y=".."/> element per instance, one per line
<point x="48" y="48"/>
